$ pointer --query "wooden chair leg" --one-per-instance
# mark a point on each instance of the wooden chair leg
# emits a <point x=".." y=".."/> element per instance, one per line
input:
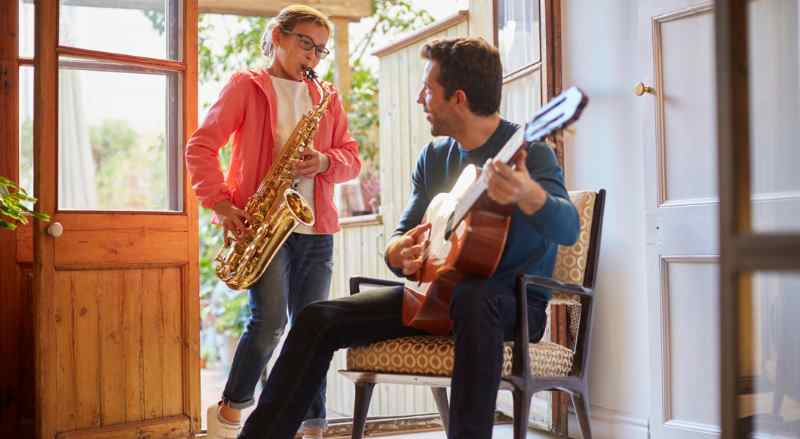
<point x="582" y="410"/>
<point x="440" y="396"/>
<point x="522" y="411"/>
<point x="363" y="396"/>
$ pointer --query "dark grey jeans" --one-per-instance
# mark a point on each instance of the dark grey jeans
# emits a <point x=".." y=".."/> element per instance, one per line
<point x="484" y="316"/>
<point x="299" y="275"/>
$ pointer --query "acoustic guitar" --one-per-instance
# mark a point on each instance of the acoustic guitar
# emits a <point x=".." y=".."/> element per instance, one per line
<point x="468" y="231"/>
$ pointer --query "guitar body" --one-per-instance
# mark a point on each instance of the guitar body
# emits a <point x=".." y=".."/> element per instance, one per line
<point x="474" y="248"/>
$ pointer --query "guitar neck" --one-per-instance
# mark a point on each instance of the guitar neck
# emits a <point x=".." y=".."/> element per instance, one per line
<point x="556" y="114"/>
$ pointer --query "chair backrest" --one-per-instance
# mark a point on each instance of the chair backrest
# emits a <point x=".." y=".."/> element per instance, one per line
<point x="577" y="264"/>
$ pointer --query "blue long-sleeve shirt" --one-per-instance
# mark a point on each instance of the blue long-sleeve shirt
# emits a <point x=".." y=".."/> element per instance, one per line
<point x="437" y="169"/>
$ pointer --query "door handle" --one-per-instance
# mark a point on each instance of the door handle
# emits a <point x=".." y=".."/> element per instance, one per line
<point x="640" y="89"/>
<point x="55" y="229"/>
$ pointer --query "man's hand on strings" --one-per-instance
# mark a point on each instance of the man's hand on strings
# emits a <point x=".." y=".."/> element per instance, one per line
<point x="408" y="251"/>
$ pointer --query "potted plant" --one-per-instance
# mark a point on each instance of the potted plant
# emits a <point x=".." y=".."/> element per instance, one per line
<point x="14" y="202"/>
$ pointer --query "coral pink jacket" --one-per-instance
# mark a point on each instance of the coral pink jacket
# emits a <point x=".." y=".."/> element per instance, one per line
<point x="247" y="109"/>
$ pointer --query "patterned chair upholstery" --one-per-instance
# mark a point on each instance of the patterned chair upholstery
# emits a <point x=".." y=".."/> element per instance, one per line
<point x="549" y="365"/>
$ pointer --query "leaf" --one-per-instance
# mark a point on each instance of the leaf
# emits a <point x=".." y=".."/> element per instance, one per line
<point x="7" y="225"/>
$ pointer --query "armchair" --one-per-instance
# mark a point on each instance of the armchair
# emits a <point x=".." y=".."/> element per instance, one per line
<point x="527" y="367"/>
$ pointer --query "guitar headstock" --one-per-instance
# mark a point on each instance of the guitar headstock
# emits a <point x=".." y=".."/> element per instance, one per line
<point x="559" y="113"/>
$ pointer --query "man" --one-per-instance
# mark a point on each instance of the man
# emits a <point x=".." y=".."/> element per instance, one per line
<point x="461" y="96"/>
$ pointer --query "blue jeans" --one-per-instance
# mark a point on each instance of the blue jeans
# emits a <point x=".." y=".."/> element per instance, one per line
<point x="299" y="274"/>
<point x="484" y="316"/>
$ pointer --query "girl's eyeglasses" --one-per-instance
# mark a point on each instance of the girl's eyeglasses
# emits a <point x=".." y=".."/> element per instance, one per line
<point x="307" y="44"/>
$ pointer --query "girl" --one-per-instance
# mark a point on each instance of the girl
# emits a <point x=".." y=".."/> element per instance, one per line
<point x="260" y="108"/>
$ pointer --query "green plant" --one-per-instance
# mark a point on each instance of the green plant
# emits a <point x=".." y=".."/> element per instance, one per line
<point x="14" y="205"/>
<point x="230" y="311"/>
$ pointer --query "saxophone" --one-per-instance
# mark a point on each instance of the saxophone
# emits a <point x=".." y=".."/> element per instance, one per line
<point x="276" y="208"/>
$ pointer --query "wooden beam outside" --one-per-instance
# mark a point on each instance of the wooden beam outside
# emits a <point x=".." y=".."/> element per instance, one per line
<point x="352" y="9"/>
<point x="342" y="73"/>
<point x="421" y="34"/>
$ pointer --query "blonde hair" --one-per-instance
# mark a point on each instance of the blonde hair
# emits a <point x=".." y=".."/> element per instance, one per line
<point x="287" y="19"/>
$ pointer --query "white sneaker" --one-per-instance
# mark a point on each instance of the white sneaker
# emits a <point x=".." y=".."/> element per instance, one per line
<point x="220" y="428"/>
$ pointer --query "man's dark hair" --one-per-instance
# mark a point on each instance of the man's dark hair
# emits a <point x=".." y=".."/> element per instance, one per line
<point x="471" y="65"/>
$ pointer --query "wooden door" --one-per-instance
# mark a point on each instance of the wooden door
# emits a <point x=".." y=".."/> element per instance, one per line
<point x="16" y="246"/>
<point x="115" y="288"/>
<point x="682" y="208"/>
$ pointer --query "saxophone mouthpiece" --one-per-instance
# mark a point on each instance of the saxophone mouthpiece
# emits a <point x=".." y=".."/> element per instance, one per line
<point x="310" y="73"/>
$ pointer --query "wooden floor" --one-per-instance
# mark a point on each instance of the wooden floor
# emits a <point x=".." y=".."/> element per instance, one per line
<point x="500" y="432"/>
<point x="213" y="382"/>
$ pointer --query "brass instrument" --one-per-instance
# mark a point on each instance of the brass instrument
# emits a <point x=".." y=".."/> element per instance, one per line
<point x="275" y="207"/>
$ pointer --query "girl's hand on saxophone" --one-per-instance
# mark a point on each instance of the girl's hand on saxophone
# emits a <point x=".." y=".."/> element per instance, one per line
<point x="311" y="163"/>
<point x="233" y="219"/>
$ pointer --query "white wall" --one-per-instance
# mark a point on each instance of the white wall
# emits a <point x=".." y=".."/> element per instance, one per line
<point x="601" y="55"/>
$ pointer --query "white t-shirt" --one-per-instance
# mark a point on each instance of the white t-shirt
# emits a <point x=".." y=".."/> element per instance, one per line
<point x="293" y="102"/>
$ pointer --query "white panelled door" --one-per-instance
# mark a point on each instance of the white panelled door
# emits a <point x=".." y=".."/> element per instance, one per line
<point x="679" y="132"/>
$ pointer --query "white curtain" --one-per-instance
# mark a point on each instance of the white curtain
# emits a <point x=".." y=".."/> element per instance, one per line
<point x="76" y="167"/>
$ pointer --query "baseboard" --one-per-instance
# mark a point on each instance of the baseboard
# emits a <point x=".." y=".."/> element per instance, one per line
<point x="611" y="424"/>
<point x="606" y="423"/>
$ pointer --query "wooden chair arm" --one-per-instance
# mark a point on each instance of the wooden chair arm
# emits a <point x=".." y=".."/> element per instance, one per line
<point x="556" y="285"/>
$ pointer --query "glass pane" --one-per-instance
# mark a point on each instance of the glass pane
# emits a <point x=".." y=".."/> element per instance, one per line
<point x="770" y="375"/>
<point x="518" y="33"/>
<point x="26" y="12"/>
<point x="133" y="27"/>
<point x="118" y="139"/>
<point x="26" y="128"/>
<point x="775" y="114"/>
<point x="522" y="97"/>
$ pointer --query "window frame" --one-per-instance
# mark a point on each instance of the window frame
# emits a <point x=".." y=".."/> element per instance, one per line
<point x="549" y="63"/>
<point x="174" y="70"/>
<point x="550" y="68"/>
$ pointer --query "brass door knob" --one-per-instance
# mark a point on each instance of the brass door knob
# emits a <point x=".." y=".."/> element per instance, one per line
<point x="55" y="230"/>
<point x="640" y="89"/>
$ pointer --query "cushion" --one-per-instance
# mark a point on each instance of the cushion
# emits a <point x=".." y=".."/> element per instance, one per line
<point x="433" y="355"/>
<point x="571" y="260"/>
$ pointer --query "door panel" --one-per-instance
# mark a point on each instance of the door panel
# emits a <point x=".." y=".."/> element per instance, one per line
<point x="686" y="61"/>
<point x="118" y="346"/>
<point x="690" y="290"/>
